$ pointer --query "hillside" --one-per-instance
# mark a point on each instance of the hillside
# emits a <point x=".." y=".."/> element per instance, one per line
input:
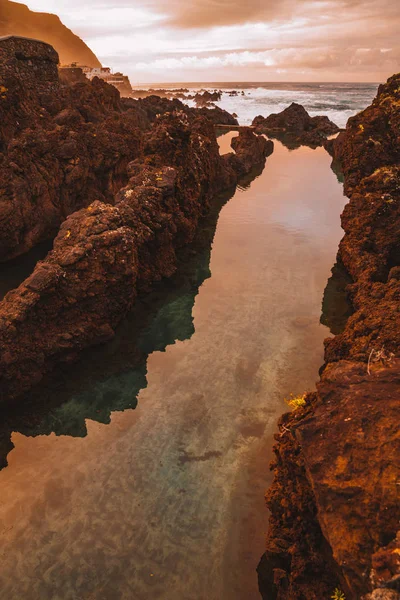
<point x="18" y="19"/>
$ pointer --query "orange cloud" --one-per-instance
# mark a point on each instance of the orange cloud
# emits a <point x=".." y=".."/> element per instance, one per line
<point x="233" y="40"/>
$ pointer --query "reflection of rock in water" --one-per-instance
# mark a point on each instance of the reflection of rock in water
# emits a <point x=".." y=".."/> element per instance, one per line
<point x="336" y="305"/>
<point x="247" y="180"/>
<point x="109" y="378"/>
<point x="337" y="169"/>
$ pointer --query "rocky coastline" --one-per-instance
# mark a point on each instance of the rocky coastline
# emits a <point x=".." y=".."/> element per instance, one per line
<point x="124" y="183"/>
<point x="335" y="499"/>
<point x="121" y="186"/>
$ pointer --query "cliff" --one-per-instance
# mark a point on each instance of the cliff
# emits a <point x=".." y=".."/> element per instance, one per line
<point x="18" y="19"/>
<point x="120" y="184"/>
<point x="335" y="499"/>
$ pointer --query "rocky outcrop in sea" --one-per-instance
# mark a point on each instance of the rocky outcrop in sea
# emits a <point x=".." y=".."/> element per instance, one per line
<point x="294" y="127"/>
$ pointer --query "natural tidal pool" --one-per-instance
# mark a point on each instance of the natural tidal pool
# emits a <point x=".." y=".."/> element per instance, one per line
<point x="144" y="478"/>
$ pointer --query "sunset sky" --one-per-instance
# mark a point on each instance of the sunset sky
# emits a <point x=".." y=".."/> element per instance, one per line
<point x="238" y="40"/>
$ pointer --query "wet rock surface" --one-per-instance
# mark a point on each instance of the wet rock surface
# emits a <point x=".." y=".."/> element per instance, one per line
<point x="126" y="183"/>
<point x="294" y="127"/>
<point x="335" y="500"/>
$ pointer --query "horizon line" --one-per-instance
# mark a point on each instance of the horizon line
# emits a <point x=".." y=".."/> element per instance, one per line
<point x="256" y="81"/>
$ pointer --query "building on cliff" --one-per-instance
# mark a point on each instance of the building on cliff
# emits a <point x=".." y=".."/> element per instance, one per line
<point x="118" y="80"/>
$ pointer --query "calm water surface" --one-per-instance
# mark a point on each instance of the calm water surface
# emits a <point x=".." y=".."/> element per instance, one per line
<point x="165" y="501"/>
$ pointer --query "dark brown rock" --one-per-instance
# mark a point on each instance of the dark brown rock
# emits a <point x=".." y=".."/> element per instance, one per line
<point x="294" y="127"/>
<point x="371" y="139"/>
<point x="206" y="98"/>
<point x="126" y="185"/>
<point x="251" y="150"/>
<point x="62" y="146"/>
<point x="342" y="450"/>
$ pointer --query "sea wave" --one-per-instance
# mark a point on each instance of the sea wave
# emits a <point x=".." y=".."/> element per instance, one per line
<point x="338" y="101"/>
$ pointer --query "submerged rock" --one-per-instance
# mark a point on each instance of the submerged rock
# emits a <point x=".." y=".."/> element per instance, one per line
<point x="294" y="127"/>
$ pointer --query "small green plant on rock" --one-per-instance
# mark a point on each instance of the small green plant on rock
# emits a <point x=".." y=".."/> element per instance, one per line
<point x="338" y="595"/>
<point x="296" y="402"/>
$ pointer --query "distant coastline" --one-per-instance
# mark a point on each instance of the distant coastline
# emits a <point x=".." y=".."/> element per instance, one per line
<point x="339" y="101"/>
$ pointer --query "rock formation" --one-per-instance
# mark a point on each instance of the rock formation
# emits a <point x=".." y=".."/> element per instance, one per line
<point x="127" y="181"/>
<point x="62" y="147"/>
<point x="154" y="105"/>
<point x="247" y="146"/>
<point x="17" y="19"/>
<point x="335" y="499"/>
<point x="371" y="139"/>
<point x="207" y="98"/>
<point x="179" y="93"/>
<point x="294" y="127"/>
<point x="218" y="115"/>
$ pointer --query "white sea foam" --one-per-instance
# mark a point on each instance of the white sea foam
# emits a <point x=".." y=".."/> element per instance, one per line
<point x="338" y="101"/>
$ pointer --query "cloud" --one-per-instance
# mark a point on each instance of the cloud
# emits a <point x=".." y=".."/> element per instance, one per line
<point x="348" y="59"/>
<point x="232" y="39"/>
<point x="211" y="13"/>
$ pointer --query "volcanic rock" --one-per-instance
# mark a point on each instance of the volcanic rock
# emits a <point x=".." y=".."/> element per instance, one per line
<point x="335" y="500"/>
<point x="371" y="139"/>
<point x="294" y="127"/>
<point x="127" y="180"/>
<point x="218" y="116"/>
<point x="250" y="150"/>
<point x="207" y="98"/>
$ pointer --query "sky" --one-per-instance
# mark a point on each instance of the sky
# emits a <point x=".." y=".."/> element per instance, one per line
<point x="238" y="40"/>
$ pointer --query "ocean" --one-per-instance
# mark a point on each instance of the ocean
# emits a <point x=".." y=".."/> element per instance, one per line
<point x="338" y="101"/>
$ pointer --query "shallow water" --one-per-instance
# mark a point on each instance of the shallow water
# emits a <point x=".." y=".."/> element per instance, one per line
<point x="165" y="501"/>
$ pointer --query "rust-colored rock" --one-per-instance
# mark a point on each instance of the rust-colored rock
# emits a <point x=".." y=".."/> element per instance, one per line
<point x="342" y="451"/>
<point x="294" y="127"/>
<point x="372" y="137"/>
<point x="127" y="180"/>
<point x="61" y="147"/>
<point x="207" y="98"/>
<point x="250" y="150"/>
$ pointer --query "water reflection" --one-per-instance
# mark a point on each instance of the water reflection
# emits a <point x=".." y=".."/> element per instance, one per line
<point x="166" y="501"/>
<point x="109" y="378"/>
<point x="336" y="304"/>
<point x="224" y="140"/>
